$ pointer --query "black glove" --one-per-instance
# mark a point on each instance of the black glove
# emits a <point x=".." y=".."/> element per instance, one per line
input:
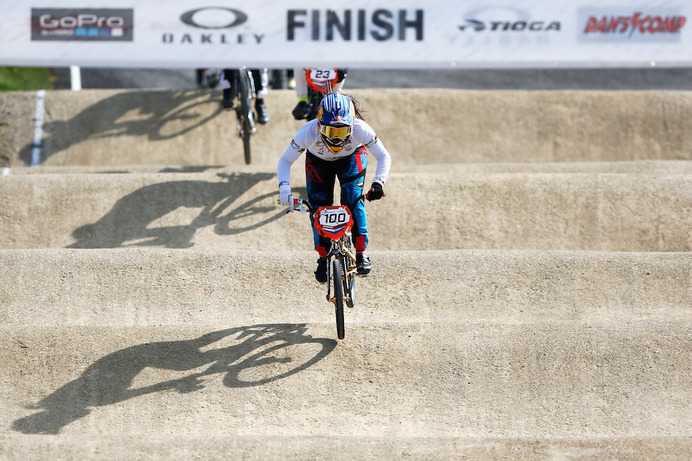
<point x="375" y="193"/>
<point x="301" y="110"/>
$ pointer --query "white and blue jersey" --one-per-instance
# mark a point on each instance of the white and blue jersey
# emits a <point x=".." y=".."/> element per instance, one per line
<point x="349" y="165"/>
<point x="308" y="139"/>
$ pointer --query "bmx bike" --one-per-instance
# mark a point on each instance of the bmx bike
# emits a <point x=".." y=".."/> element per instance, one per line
<point x="245" y="92"/>
<point x="334" y="223"/>
<point x="243" y="89"/>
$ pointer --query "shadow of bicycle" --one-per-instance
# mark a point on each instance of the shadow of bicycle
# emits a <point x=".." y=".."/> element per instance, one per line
<point x="248" y="356"/>
<point x="158" y="115"/>
<point x="139" y="218"/>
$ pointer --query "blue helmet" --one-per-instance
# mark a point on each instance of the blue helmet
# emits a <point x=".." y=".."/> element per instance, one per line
<point x="336" y="117"/>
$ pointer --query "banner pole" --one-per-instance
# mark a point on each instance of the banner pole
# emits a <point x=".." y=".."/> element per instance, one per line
<point x="76" y="78"/>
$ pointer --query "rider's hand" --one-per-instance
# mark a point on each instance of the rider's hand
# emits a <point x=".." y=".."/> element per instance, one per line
<point x="376" y="192"/>
<point x="301" y="110"/>
<point x="285" y="197"/>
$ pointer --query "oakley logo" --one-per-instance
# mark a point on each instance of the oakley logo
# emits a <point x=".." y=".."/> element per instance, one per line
<point x="213" y="18"/>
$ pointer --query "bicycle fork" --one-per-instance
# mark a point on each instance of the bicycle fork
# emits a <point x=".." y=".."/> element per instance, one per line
<point x="348" y="265"/>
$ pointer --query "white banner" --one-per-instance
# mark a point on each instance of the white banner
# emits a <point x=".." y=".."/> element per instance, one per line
<point x="357" y="33"/>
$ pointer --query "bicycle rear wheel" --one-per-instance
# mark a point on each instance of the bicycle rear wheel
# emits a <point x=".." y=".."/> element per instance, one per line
<point x="338" y="298"/>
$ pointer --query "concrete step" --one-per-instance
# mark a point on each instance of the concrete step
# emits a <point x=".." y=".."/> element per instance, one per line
<point x="150" y="287"/>
<point x="419" y="126"/>
<point x="426" y="210"/>
<point x="181" y="447"/>
<point x="545" y="380"/>
<point x="559" y="350"/>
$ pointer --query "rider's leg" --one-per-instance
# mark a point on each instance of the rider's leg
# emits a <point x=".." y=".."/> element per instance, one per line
<point x="228" y="83"/>
<point x="300" y="111"/>
<point x="319" y="179"/>
<point x="199" y="72"/>
<point x="352" y="178"/>
<point x="261" y="78"/>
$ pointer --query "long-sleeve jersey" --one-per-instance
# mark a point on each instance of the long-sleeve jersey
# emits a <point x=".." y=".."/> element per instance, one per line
<point x="308" y="139"/>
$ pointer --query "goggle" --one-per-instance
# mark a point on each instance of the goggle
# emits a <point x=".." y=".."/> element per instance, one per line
<point x="336" y="135"/>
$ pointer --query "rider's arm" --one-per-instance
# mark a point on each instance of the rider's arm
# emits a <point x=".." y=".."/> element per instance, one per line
<point x="294" y="150"/>
<point x="377" y="150"/>
<point x="384" y="160"/>
<point x="283" y="169"/>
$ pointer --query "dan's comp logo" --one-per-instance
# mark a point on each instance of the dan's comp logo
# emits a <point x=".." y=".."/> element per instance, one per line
<point x="620" y="25"/>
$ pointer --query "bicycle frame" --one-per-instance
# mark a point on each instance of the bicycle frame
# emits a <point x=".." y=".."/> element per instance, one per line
<point x="242" y="89"/>
<point x="334" y="223"/>
<point x="341" y="249"/>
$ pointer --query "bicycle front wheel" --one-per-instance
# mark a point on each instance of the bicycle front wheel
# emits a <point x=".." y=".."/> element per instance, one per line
<point x="247" y="124"/>
<point x="337" y="276"/>
<point x="350" y="289"/>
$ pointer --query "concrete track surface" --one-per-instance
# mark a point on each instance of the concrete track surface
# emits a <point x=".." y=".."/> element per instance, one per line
<point x="531" y="296"/>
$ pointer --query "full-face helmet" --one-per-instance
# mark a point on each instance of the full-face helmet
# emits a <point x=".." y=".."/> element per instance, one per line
<point x="336" y="116"/>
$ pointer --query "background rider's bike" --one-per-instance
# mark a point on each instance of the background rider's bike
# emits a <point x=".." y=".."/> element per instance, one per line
<point x="243" y="90"/>
<point x="335" y="223"/>
<point x="319" y="82"/>
<point x="245" y="93"/>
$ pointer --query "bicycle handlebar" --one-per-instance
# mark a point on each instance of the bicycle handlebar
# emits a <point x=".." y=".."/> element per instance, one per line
<point x="299" y="204"/>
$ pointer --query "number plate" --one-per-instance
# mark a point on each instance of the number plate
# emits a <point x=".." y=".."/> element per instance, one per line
<point x="333" y="221"/>
<point x="319" y="79"/>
